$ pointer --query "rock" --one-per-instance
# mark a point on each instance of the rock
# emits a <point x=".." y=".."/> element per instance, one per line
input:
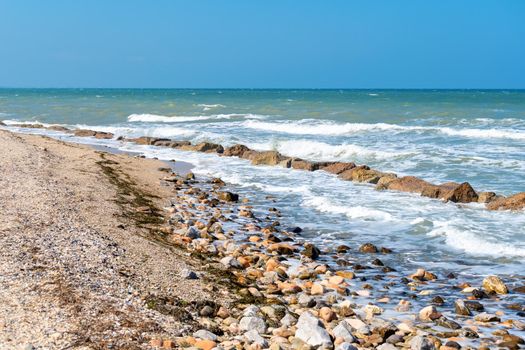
<point x="406" y="184"/>
<point x="486" y="197"/>
<point x="317" y="289"/>
<point x="57" y="128"/>
<point x="206" y="311"/>
<point x="421" y="343"/>
<point x="2" y="123"/>
<point x="429" y="313"/>
<point x="343" y="331"/>
<point x="464" y="193"/>
<point x="300" y="164"/>
<point x="235" y="151"/>
<point x="311" y="331"/>
<point x="306" y="300"/>
<point x="445" y="322"/>
<point x="311" y="251"/>
<point x="256" y="323"/>
<point x="288" y="320"/>
<point x="206" y="147"/>
<point x="205" y="344"/>
<point x="231" y="262"/>
<point x="84" y="133"/>
<point x="282" y="248"/>
<point x="192" y="233"/>
<point x="188" y="274"/>
<point x="362" y="173"/>
<point x="386" y="346"/>
<point x="254" y="337"/>
<point x="265" y="158"/>
<point x="327" y="314"/>
<point x="358" y="325"/>
<point x="453" y="345"/>
<point x="338" y="167"/>
<point x="486" y="317"/>
<point x="474" y="305"/>
<point x="205" y="334"/>
<point x="515" y="202"/>
<point x="368" y="248"/>
<point x="461" y="308"/>
<point x="345" y="346"/>
<point x="493" y="284"/>
<point x="228" y="196"/>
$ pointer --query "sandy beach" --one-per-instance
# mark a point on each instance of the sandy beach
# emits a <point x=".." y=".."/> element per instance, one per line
<point x="77" y="262"/>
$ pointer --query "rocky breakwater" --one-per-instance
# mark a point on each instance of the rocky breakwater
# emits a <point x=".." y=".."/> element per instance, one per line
<point x="347" y="171"/>
<point x="292" y="294"/>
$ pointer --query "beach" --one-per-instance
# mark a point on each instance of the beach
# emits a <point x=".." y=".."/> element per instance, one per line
<point x="106" y="250"/>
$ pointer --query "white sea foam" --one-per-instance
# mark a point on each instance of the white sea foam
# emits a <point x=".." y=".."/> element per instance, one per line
<point x="315" y="127"/>
<point x="325" y="205"/>
<point x="313" y="150"/>
<point x="207" y="107"/>
<point x="167" y="131"/>
<point x="474" y="243"/>
<point x="154" y="118"/>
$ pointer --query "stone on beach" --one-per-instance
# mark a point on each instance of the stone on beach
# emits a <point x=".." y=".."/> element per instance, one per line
<point x="494" y="284"/>
<point x="256" y="323"/>
<point x="311" y="331"/>
<point x="420" y="342"/>
<point x="515" y="202"/>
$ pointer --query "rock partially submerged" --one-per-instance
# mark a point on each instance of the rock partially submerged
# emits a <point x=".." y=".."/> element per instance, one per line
<point x="515" y="202"/>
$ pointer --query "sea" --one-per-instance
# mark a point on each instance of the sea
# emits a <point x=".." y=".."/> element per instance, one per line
<point x="439" y="135"/>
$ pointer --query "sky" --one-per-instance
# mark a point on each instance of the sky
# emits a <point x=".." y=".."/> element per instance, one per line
<point x="263" y="43"/>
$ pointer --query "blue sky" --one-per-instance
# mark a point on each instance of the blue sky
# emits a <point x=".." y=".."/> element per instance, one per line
<point x="257" y="44"/>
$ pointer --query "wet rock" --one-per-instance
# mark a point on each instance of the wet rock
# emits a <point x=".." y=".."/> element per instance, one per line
<point x="420" y="342"/>
<point x="256" y="323"/>
<point x="342" y="248"/>
<point x="228" y="196"/>
<point x="236" y="151"/>
<point x="311" y="251"/>
<point x="474" y="305"/>
<point x="494" y="284"/>
<point x="406" y="184"/>
<point x="311" y="331"/>
<point x="437" y="300"/>
<point x="362" y="173"/>
<point x="486" y="197"/>
<point x="464" y="193"/>
<point x="206" y="147"/>
<point x="300" y="164"/>
<point x="231" y="262"/>
<point x="282" y="248"/>
<point x="205" y="334"/>
<point x="520" y="289"/>
<point x="338" y="167"/>
<point x="295" y="229"/>
<point x="452" y="345"/>
<point x="486" y="317"/>
<point x="461" y="308"/>
<point x="445" y="322"/>
<point x="368" y="248"/>
<point x="429" y="313"/>
<point x="265" y="158"/>
<point x="515" y="202"/>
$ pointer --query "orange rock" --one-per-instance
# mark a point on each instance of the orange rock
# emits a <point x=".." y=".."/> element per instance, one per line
<point x="244" y="261"/>
<point x="205" y="344"/>
<point x="327" y="314"/>
<point x="317" y="289"/>
<point x="346" y="274"/>
<point x="271" y="265"/>
<point x="336" y="280"/>
<point x="254" y="239"/>
<point x="321" y="269"/>
<point x="289" y="288"/>
<point x="156" y="343"/>
<point x="168" y="344"/>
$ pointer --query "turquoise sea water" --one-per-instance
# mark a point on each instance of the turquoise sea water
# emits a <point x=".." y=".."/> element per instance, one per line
<point x="441" y="135"/>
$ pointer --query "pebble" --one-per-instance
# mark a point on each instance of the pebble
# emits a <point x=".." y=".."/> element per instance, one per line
<point x="249" y="323"/>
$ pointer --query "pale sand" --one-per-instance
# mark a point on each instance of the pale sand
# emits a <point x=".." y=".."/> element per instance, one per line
<point x="69" y="276"/>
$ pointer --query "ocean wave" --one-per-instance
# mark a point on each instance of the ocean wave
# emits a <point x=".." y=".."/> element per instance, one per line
<point x="315" y="127"/>
<point x="154" y="118"/>
<point x="473" y="243"/>
<point x="137" y="131"/>
<point x="325" y="205"/>
<point x="314" y="150"/>
<point x="207" y="107"/>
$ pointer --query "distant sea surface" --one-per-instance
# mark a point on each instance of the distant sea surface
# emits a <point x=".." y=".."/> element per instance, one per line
<point x="439" y="135"/>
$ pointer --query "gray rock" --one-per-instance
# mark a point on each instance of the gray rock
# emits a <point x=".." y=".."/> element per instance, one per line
<point x="306" y="300"/>
<point x="288" y="320"/>
<point x="461" y="308"/>
<point x="251" y="310"/>
<point x="343" y="330"/>
<point x="192" y="233"/>
<point x="386" y="346"/>
<point x="205" y="334"/>
<point x="345" y="346"/>
<point x="188" y="274"/>
<point x="254" y="337"/>
<point x="421" y="343"/>
<point x="230" y="262"/>
<point x="249" y="323"/>
<point x="311" y="331"/>
<point x="358" y="325"/>
<point x="485" y="317"/>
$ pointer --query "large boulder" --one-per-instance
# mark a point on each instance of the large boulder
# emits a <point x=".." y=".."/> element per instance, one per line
<point x="362" y="173"/>
<point x="494" y="284"/>
<point x="406" y="184"/>
<point x="235" y="151"/>
<point x="463" y="193"/>
<point x="301" y="164"/>
<point x="147" y="140"/>
<point x="93" y="133"/>
<point x="206" y="147"/>
<point x="2" y="123"/>
<point x="170" y="143"/>
<point x="103" y="135"/>
<point x="265" y="157"/>
<point x="311" y="331"/>
<point x="338" y="167"/>
<point x="58" y="128"/>
<point x="515" y="202"/>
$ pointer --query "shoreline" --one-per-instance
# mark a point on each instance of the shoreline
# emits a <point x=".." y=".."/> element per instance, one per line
<point x="461" y="193"/>
<point x="287" y="290"/>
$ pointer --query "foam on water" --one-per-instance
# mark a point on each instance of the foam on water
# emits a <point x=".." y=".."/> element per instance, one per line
<point x="154" y="118"/>
<point x="313" y="150"/>
<point x="325" y="205"/>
